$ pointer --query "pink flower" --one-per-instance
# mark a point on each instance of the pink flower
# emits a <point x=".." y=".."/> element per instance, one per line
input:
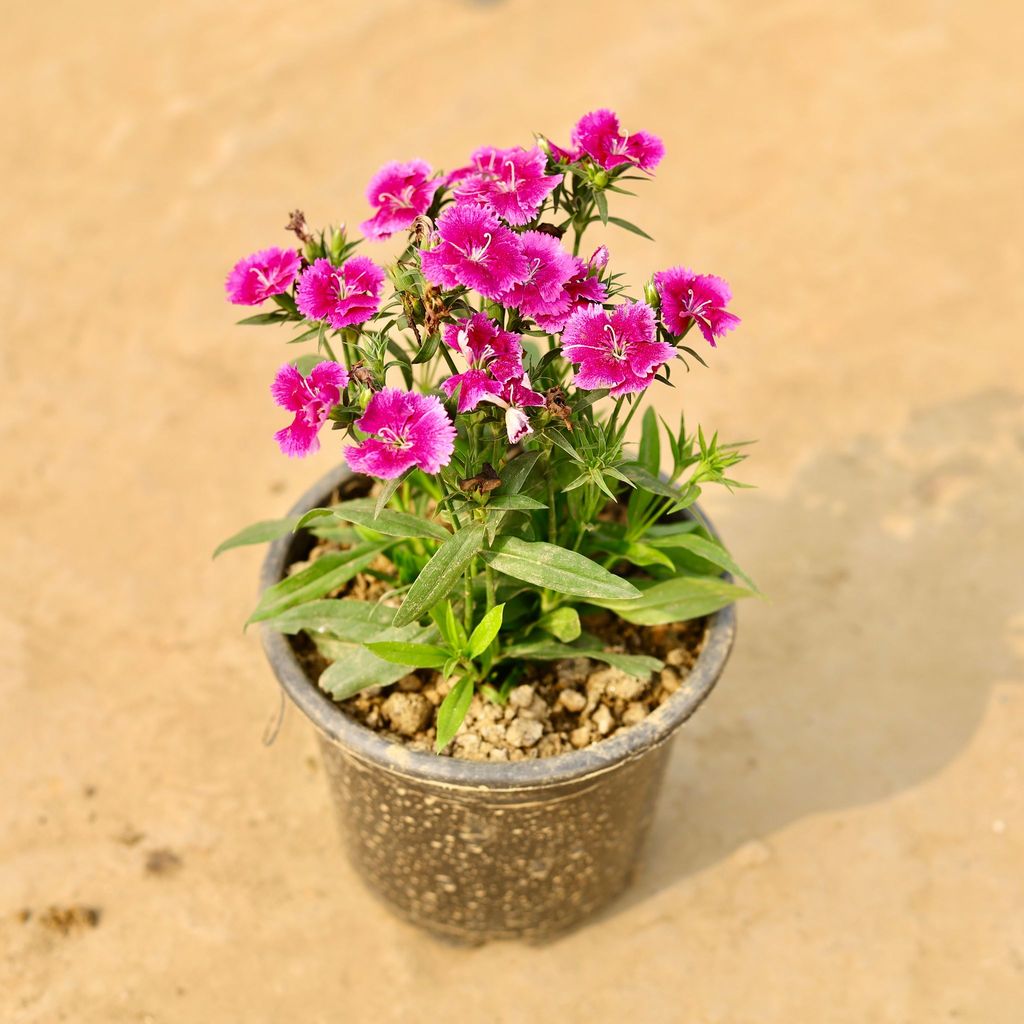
<point x="514" y="397"/>
<point x="549" y="269"/>
<point x="400" y="192"/>
<point x="264" y="273"/>
<point x="311" y="399"/>
<point x="511" y="182"/>
<point x="687" y="297"/>
<point x="560" y="154"/>
<point x="598" y="136"/>
<point x="474" y="250"/>
<point x="343" y="296"/>
<point x="408" y="429"/>
<point x="599" y="259"/>
<point x="582" y="289"/>
<point x="616" y="350"/>
<point x="493" y="356"/>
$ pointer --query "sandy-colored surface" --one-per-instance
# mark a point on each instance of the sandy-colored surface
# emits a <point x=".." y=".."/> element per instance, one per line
<point x="842" y="834"/>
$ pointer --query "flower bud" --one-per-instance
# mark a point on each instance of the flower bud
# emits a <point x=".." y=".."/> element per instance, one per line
<point x="651" y="296"/>
<point x="543" y="145"/>
<point x="601" y="179"/>
<point x="337" y="243"/>
<point x="313" y="250"/>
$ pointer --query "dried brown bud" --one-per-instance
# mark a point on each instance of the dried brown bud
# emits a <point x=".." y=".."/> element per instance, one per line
<point x="364" y="376"/>
<point x="550" y="229"/>
<point x="421" y="230"/>
<point x="558" y="407"/>
<point x="297" y="223"/>
<point x="483" y="483"/>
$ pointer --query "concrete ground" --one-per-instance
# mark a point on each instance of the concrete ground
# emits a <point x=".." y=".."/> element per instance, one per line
<point x="841" y="838"/>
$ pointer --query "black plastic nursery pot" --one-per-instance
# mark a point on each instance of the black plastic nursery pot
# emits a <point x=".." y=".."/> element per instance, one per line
<point x="477" y="850"/>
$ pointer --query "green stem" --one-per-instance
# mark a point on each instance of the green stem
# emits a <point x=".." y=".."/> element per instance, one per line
<point x="489" y="583"/>
<point x="552" y="518"/>
<point x="625" y="423"/>
<point x="467" y="611"/>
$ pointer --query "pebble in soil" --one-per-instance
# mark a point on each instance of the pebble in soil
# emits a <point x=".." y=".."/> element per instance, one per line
<point x="559" y="707"/>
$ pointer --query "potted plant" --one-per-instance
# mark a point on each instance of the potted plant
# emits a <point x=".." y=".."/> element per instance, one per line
<point x="498" y="611"/>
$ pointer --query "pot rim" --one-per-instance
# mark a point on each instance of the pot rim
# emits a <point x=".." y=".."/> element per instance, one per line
<point x="371" y="747"/>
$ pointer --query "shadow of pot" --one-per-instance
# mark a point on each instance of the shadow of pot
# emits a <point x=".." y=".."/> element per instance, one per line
<point x="473" y="850"/>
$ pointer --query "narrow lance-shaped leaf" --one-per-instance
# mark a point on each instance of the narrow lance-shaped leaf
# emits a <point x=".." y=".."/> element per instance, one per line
<point x="356" y="668"/>
<point x="316" y="580"/>
<point x="258" y="533"/>
<point x="341" y="617"/>
<point x="452" y="712"/>
<point x="556" y="568"/>
<point x="675" y="600"/>
<point x="486" y="631"/>
<point x="639" y="665"/>
<point x="706" y="549"/>
<point x="563" y="623"/>
<point x="414" y="655"/>
<point x="363" y="512"/>
<point x="441" y="573"/>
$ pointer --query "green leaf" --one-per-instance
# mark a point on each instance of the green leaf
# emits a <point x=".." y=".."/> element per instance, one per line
<point x="452" y="711"/>
<point x="416" y="655"/>
<point x="356" y="668"/>
<point x="563" y="623"/>
<point x="514" y="503"/>
<point x="683" y="496"/>
<point x="556" y="568"/>
<point x="277" y="317"/>
<point x="316" y="580"/>
<point x="619" y="222"/>
<point x="486" y="631"/>
<point x="637" y="553"/>
<point x="709" y="550"/>
<point x="429" y="348"/>
<point x="305" y="336"/>
<point x="441" y="573"/>
<point x="513" y="479"/>
<point x="639" y="665"/>
<point x="602" y="206"/>
<point x="451" y="629"/>
<point x="675" y="600"/>
<point x="258" y="533"/>
<point x="388" y="489"/>
<point x="363" y="512"/>
<point x="650" y="445"/>
<point x="670" y="529"/>
<point x="342" y="617"/>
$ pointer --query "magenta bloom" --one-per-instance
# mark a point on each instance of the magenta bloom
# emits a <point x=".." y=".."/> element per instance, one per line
<point x="400" y="193"/>
<point x="616" y="350"/>
<point x="311" y="399"/>
<point x="598" y="136"/>
<point x="343" y="296"/>
<point x="474" y="250"/>
<point x="514" y="397"/>
<point x="549" y="269"/>
<point x="264" y="273"/>
<point x="561" y="154"/>
<point x="407" y="429"/>
<point x="687" y="297"/>
<point x="583" y="289"/>
<point x="494" y="356"/>
<point x="511" y="182"/>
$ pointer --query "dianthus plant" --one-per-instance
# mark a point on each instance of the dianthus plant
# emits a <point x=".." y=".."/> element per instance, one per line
<point x="484" y="383"/>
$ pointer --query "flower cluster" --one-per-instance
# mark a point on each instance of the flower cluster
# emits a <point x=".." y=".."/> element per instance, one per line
<point x="495" y="228"/>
